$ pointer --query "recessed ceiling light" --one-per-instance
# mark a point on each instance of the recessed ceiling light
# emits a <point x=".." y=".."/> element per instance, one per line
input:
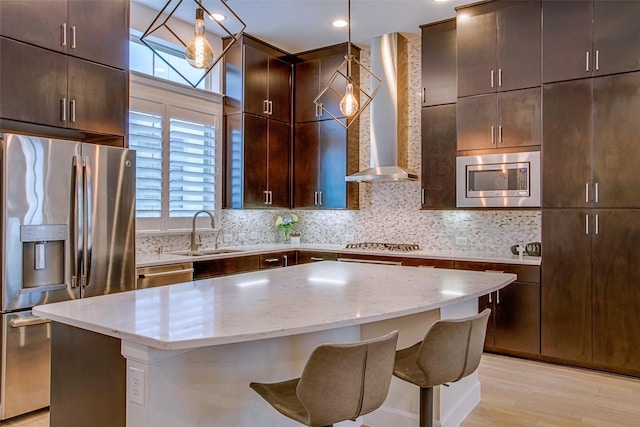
<point x="440" y="1"/>
<point x="218" y="17"/>
<point x="339" y="23"/>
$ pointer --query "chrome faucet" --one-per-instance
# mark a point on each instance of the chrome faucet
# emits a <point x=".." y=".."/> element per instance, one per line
<point x="194" y="245"/>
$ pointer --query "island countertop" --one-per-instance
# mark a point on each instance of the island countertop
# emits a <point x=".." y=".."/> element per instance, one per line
<point x="271" y="303"/>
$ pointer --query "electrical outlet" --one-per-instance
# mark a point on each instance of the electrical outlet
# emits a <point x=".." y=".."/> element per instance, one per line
<point x="461" y="241"/>
<point x="136" y="385"/>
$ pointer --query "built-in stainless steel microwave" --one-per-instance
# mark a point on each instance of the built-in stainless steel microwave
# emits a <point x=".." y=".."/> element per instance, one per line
<point x="499" y="180"/>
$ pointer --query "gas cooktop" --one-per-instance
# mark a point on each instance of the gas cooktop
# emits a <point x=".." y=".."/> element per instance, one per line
<point x="400" y="247"/>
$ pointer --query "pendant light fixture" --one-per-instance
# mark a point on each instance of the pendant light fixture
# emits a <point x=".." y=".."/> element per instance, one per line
<point x="198" y="52"/>
<point x="344" y="83"/>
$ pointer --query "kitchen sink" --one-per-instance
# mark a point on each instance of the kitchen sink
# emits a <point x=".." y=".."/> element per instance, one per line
<point x="206" y="252"/>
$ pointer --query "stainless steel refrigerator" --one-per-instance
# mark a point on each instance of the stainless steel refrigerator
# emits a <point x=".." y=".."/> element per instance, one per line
<point x="68" y="232"/>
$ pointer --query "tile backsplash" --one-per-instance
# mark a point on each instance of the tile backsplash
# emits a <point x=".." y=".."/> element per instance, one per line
<point x="389" y="212"/>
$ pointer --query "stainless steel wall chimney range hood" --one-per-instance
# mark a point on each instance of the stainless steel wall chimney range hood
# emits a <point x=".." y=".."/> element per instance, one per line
<point x="389" y="113"/>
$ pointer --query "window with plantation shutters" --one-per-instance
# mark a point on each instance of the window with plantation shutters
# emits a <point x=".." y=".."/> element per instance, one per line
<point x="175" y="138"/>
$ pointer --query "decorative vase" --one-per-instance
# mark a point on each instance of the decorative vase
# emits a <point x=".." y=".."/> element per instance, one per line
<point x="286" y="235"/>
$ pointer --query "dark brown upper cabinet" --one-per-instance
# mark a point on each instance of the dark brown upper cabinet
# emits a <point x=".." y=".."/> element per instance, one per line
<point x="590" y="145"/>
<point x="439" y="71"/>
<point x="94" y="30"/>
<point x="503" y="120"/>
<point x="589" y="38"/>
<point x="257" y="152"/>
<point x="498" y="46"/>
<point x="324" y="153"/>
<point x="257" y="80"/>
<point x="311" y="75"/>
<point x="438" y="157"/>
<point x="72" y="93"/>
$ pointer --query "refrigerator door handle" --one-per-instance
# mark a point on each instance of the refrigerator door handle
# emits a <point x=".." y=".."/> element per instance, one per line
<point x="76" y="222"/>
<point x="88" y="223"/>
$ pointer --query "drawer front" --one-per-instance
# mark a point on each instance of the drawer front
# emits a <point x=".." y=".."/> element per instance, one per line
<point x="224" y="266"/>
<point x="525" y="273"/>
<point x="427" y="262"/>
<point x="275" y="260"/>
<point x="305" y="257"/>
<point x="160" y="275"/>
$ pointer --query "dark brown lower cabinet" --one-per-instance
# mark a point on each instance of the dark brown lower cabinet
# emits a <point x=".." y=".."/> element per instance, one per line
<point x="223" y="266"/>
<point x="274" y="260"/>
<point x="514" y="324"/>
<point x="305" y="257"/>
<point x="616" y="290"/>
<point x="590" y="292"/>
<point x="566" y="285"/>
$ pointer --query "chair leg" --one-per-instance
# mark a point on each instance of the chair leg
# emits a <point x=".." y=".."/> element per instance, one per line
<point x="426" y="406"/>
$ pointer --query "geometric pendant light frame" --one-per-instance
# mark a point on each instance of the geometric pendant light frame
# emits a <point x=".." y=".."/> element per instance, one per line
<point x="161" y="22"/>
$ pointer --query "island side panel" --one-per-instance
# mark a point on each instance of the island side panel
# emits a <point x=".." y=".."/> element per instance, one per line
<point x="88" y="379"/>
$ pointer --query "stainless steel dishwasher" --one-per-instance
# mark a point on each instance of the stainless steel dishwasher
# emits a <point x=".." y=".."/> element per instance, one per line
<point x="160" y="275"/>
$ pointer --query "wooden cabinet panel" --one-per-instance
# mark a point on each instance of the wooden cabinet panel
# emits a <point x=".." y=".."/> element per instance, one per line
<point x="477" y="43"/>
<point x="257" y="162"/>
<point x="267" y="85"/>
<point x="589" y="38"/>
<point x="427" y="262"/>
<point x="499" y="47"/>
<point x="223" y="266"/>
<point x="567" y="136"/>
<point x="503" y="120"/>
<point x="616" y="36"/>
<point x="615" y="141"/>
<point x="438" y="158"/>
<point x="525" y="273"/>
<point x="280" y="90"/>
<point x="97" y="30"/>
<point x="305" y="257"/>
<point x="518" y="46"/>
<point x="38" y="22"/>
<point x="566" y="39"/>
<point x="439" y="71"/>
<point x="101" y="31"/>
<point x="517" y="318"/>
<point x="518" y="123"/>
<point x="616" y="294"/>
<point x="28" y="94"/>
<point x="306" y="166"/>
<point x="307" y="78"/>
<point x="99" y="97"/>
<point x="566" y="285"/>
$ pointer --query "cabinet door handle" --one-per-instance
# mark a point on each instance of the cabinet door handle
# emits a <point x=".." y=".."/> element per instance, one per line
<point x="597" y="59"/>
<point x="595" y="192"/>
<point x="72" y="114"/>
<point x="586" y="221"/>
<point x="63" y="29"/>
<point x="285" y="258"/>
<point x="265" y="106"/>
<point x="270" y="108"/>
<point x="493" y="135"/>
<point x="490" y="299"/>
<point x="586" y="192"/>
<point x="320" y="110"/>
<point x="587" y="62"/>
<point x="63" y="109"/>
<point x="492" y="78"/>
<point x="315" y="198"/>
<point x="597" y="225"/>
<point x="316" y="258"/>
<point x="270" y="195"/>
<point x="272" y="260"/>
<point x="320" y="198"/>
<point x="422" y="195"/>
<point x="499" y="77"/>
<point x="73" y="37"/>
<point x="500" y="134"/>
<point x="266" y="197"/>
<point x="424" y="95"/>
<point x="498" y="296"/>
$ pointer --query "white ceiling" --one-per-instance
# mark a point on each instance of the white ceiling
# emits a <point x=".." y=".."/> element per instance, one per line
<point x="299" y="25"/>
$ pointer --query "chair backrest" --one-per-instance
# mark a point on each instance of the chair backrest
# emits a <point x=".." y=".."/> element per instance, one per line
<point x="343" y="381"/>
<point x="452" y="349"/>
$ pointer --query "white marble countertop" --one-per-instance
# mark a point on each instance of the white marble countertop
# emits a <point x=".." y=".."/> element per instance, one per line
<point x="271" y="303"/>
<point x="146" y="260"/>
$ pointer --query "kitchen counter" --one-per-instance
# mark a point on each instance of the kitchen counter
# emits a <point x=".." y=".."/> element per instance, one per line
<point x="146" y="260"/>
<point x="219" y="334"/>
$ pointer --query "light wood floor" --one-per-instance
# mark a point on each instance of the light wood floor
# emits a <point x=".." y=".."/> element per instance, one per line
<point x="519" y="392"/>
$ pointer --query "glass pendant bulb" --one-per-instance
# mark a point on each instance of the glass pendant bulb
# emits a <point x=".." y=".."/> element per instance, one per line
<point x="349" y="104"/>
<point x="198" y="52"/>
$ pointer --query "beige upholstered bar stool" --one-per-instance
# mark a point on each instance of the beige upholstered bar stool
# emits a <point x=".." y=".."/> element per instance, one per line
<point x="339" y="382"/>
<point x="450" y="351"/>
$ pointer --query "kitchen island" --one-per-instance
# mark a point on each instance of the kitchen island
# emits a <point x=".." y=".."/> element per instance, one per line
<point x="192" y="349"/>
